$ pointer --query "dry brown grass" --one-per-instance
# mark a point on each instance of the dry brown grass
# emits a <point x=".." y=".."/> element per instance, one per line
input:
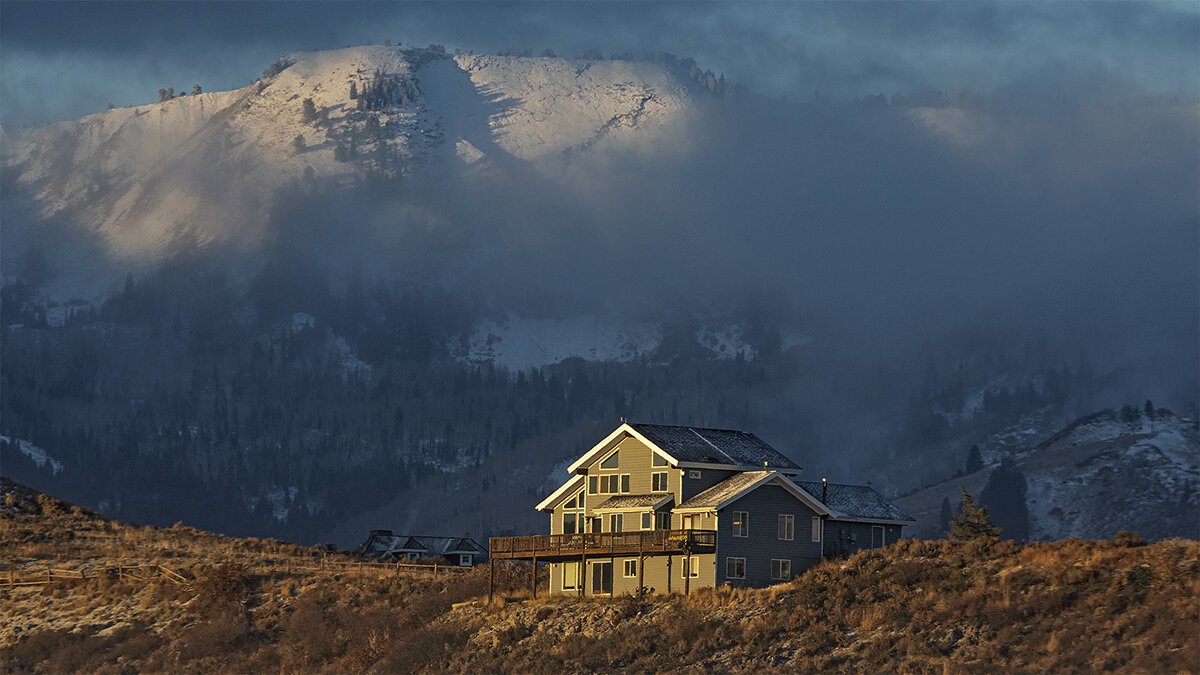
<point x="916" y="606"/>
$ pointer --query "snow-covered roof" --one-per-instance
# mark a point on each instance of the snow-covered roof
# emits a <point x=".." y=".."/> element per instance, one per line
<point x="382" y="544"/>
<point x="739" y="485"/>
<point x="713" y="446"/>
<point x="856" y="502"/>
<point x="634" y="502"/>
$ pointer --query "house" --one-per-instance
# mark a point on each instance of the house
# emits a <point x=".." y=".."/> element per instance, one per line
<point x="383" y="546"/>
<point x="669" y="508"/>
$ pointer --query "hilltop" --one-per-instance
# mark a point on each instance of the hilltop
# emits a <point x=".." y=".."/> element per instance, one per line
<point x="926" y="606"/>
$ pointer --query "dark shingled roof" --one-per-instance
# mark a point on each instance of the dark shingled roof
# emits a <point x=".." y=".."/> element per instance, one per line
<point x="714" y="446"/>
<point x="634" y="501"/>
<point x="380" y="545"/>
<point x="855" y="501"/>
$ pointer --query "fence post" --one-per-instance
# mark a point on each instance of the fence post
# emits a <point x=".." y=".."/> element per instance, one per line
<point x="434" y="570"/>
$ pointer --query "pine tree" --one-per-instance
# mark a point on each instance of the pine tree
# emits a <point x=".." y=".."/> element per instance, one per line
<point x="1005" y="494"/>
<point x="310" y="111"/>
<point x="972" y="521"/>
<point x="974" y="459"/>
<point x="946" y="514"/>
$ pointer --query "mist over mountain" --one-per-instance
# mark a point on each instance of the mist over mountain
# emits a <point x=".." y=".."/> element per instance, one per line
<point x="380" y="278"/>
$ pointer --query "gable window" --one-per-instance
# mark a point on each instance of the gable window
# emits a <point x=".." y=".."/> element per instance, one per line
<point x="657" y="459"/>
<point x="781" y="570"/>
<point x="741" y="523"/>
<point x="570" y="576"/>
<point x="658" y="482"/>
<point x="614" y="522"/>
<point x="816" y="528"/>
<point x="630" y="568"/>
<point x="613" y="461"/>
<point x="787" y="524"/>
<point x="692" y="570"/>
<point x="735" y="568"/>
<point x="571" y="503"/>
<point x="647" y="521"/>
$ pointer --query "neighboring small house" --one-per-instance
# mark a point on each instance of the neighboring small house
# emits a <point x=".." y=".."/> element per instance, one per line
<point x="669" y="508"/>
<point x="383" y="546"/>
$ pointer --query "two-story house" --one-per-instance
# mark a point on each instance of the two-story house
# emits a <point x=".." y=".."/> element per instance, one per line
<point x="670" y="508"/>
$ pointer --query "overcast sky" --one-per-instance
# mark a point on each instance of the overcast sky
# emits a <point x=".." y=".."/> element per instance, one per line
<point x="64" y="60"/>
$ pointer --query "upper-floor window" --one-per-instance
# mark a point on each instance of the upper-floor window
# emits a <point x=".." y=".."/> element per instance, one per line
<point x="816" y="528"/>
<point x="612" y="461"/>
<point x="657" y="459"/>
<point x="647" y="521"/>
<point x="608" y="484"/>
<point x="662" y="520"/>
<point x="741" y="523"/>
<point x="787" y="523"/>
<point x="658" y="482"/>
<point x="615" y="522"/>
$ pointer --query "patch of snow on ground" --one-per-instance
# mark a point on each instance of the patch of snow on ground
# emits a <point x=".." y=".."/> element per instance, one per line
<point x="726" y="342"/>
<point x="39" y="456"/>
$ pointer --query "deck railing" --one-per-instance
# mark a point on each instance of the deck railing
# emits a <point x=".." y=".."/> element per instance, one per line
<point x="649" y="542"/>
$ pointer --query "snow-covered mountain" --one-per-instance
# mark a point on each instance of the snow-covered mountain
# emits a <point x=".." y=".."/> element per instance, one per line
<point x="1106" y="472"/>
<point x="204" y="169"/>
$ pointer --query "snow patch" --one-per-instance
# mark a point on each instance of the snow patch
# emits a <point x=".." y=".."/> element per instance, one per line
<point x="39" y="456"/>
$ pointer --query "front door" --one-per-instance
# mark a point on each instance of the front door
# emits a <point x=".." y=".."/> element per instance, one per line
<point x="688" y="522"/>
<point x="602" y="577"/>
<point x="876" y="536"/>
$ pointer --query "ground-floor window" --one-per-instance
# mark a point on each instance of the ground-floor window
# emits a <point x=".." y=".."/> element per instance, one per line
<point x="464" y="559"/>
<point x="781" y="570"/>
<point x="692" y="570"/>
<point x="735" y="568"/>
<point x="630" y="568"/>
<point x="602" y="577"/>
<point x="570" y="576"/>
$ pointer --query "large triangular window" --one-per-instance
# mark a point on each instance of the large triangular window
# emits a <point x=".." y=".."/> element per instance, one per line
<point x="612" y="461"/>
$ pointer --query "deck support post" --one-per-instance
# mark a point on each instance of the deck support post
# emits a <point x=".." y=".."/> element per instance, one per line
<point x="491" y="578"/>
<point x="687" y="573"/>
<point x="533" y="576"/>
<point x="583" y="567"/>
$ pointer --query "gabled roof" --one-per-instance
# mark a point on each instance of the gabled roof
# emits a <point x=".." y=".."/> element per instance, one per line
<point x="634" y="502"/>
<point x="382" y="544"/>
<point x="691" y="446"/>
<point x="737" y="486"/>
<point x="563" y="492"/>
<point x="857" y="502"/>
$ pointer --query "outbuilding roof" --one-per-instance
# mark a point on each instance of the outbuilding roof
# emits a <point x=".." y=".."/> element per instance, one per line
<point x="382" y="544"/>
<point x="856" y="502"/>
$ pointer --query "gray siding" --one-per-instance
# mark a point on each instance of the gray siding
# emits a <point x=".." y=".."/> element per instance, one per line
<point x="694" y="486"/>
<point x="764" y="505"/>
<point x="846" y="537"/>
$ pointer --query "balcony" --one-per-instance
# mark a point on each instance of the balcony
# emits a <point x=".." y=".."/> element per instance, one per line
<point x="551" y="547"/>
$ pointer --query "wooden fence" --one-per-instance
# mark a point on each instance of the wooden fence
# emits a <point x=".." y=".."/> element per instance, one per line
<point x="152" y="572"/>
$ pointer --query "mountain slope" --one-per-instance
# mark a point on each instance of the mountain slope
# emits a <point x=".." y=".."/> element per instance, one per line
<point x="1106" y="472"/>
<point x="206" y="169"/>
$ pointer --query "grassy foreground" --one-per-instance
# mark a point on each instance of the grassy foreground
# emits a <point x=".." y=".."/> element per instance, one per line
<point x="919" y="606"/>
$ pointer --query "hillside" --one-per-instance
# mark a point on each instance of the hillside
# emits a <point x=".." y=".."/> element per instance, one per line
<point x="924" y="606"/>
<point x="1113" y="470"/>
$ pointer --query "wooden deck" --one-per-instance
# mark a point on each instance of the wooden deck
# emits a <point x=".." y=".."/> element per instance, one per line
<point x="553" y="547"/>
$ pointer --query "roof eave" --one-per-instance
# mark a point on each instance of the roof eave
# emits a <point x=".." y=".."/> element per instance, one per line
<point x="550" y="502"/>
<point x="737" y="467"/>
<point x="875" y="521"/>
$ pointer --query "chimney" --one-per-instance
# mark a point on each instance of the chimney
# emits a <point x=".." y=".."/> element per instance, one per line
<point x="824" y="489"/>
